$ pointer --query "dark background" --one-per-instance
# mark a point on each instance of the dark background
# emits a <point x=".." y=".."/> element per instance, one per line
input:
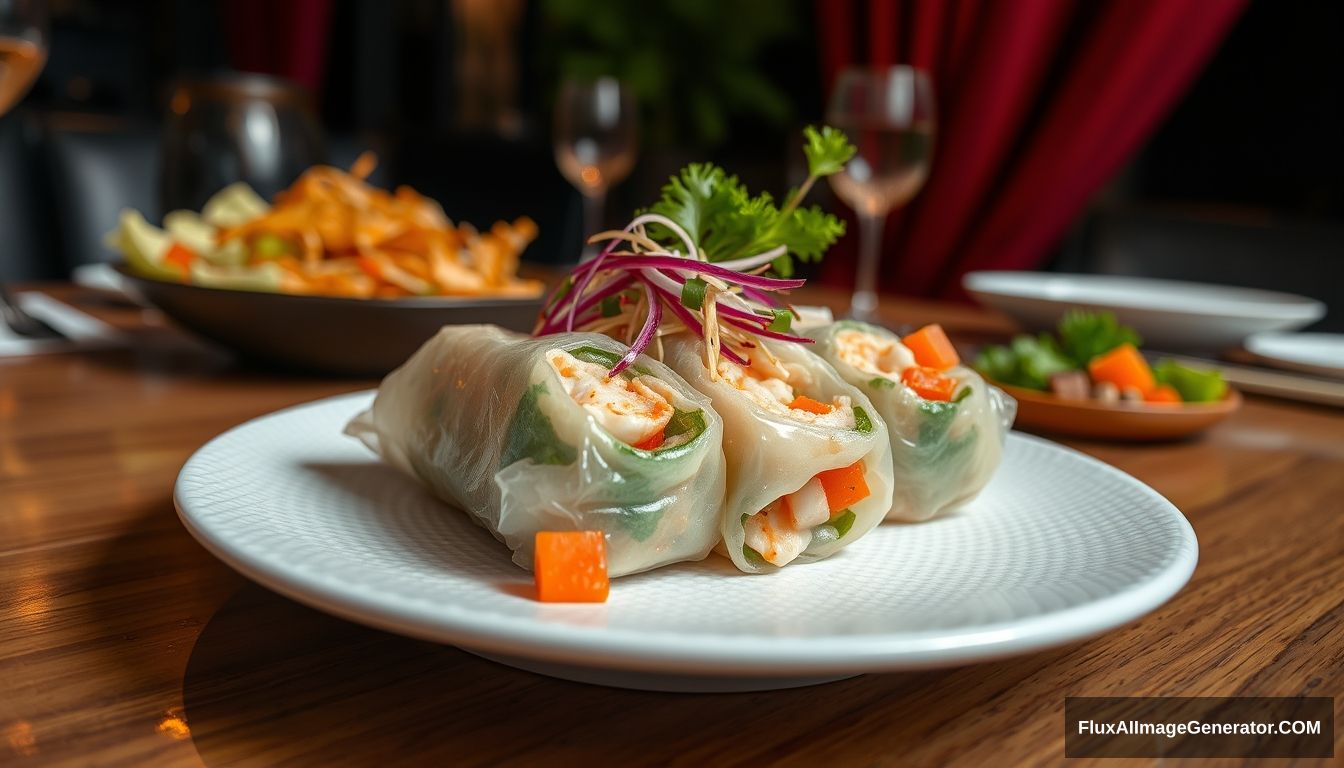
<point x="1248" y="169"/>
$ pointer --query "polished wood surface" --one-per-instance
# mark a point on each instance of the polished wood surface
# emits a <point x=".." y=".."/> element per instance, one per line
<point x="122" y="642"/>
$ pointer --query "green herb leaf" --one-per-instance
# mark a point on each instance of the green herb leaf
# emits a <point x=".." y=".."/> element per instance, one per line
<point x="693" y="293"/>
<point x="1083" y="335"/>
<point x="861" y="421"/>
<point x="963" y="394"/>
<point x="843" y="522"/>
<point x="881" y="382"/>
<point x="532" y="436"/>
<point x="611" y="306"/>
<point x="827" y="150"/>
<point x="754" y="557"/>
<point x="782" y="322"/>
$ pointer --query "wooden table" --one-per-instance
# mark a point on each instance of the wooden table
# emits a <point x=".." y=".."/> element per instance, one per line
<point x="123" y="642"/>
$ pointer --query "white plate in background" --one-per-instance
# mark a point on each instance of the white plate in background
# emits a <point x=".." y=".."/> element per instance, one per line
<point x="1318" y="353"/>
<point x="1168" y="314"/>
<point x="1059" y="547"/>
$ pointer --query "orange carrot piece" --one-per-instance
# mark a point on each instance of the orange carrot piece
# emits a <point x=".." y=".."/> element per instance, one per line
<point x="805" y="403"/>
<point x="651" y="442"/>
<point x="180" y="256"/>
<point x="932" y="348"/>
<point x="571" y="567"/>
<point x="844" y="487"/>
<point x="1163" y="394"/>
<point x="929" y="383"/>
<point x="1123" y="367"/>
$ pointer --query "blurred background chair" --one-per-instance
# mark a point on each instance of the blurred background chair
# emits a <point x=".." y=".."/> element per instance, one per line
<point x="27" y="252"/>
<point x="97" y="166"/>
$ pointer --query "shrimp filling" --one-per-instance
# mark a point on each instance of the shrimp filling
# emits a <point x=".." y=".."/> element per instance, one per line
<point x="635" y="410"/>
<point x="874" y="354"/>
<point x="782" y="530"/>
<point x="770" y="384"/>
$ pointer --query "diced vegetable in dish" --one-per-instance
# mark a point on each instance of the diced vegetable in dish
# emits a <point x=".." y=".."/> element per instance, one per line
<point x="528" y="435"/>
<point x="571" y="567"/>
<point x="946" y="425"/>
<point x="1093" y="347"/>
<point x="329" y="234"/>
<point x="1123" y="367"/>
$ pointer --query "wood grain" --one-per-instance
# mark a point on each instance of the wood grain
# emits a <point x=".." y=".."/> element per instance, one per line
<point x="122" y="642"/>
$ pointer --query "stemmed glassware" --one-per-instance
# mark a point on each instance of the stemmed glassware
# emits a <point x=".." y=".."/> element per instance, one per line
<point x="23" y="48"/>
<point x="890" y="116"/>
<point x="596" y="140"/>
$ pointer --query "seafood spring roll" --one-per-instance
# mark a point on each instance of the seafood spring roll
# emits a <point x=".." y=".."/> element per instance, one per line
<point x="945" y="444"/>
<point x="532" y="434"/>
<point x="809" y="463"/>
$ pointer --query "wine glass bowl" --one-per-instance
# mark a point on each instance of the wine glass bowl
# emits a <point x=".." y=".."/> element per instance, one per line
<point x="236" y="127"/>
<point x="596" y="139"/>
<point x="890" y="116"/>
<point x="23" y="48"/>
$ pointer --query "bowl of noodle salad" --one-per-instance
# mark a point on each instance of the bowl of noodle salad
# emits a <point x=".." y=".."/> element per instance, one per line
<point x="334" y="276"/>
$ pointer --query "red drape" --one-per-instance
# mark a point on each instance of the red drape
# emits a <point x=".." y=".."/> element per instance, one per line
<point x="1040" y="102"/>
<point x="288" y="38"/>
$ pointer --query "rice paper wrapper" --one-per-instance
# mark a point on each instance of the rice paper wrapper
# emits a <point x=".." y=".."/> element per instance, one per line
<point x="481" y="418"/>
<point x="944" y="453"/>
<point x="770" y="455"/>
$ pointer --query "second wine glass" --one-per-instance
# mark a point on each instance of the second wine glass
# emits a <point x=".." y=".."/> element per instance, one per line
<point x="596" y="139"/>
<point x="889" y="115"/>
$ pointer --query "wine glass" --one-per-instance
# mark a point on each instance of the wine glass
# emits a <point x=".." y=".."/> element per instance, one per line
<point x="596" y="138"/>
<point x="889" y="115"/>
<point x="236" y="127"/>
<point x="23" y="48"/>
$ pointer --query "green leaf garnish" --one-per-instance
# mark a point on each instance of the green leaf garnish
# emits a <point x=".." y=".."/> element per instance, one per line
<point x="782" y="322"/>
<point x="963" y="394"/>
<point x="1195" y="385"/>
<point x="1083" y="335"/>
<point x="827" y="150"/>
<point x="726" y="222"/>
<point x="881" y="382"/>
<point x="611" y="306"/>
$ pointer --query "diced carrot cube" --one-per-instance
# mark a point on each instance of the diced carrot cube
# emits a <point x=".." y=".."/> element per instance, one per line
<point x="1123" y="367"/>
<point x="652" y="442"/>
<point x="805" y="403"/>
<point x="180" y="256"/>
<point x="1163" y="394"/>
<point x="844" y="487"/>
<point x="932" y="348"/>
<point x="928" y="383"/>
<point x="571" y="566"/>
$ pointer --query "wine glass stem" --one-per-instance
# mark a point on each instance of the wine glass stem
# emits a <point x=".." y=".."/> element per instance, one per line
<point x="863" y="305"/>
<point x="594" y="203"/>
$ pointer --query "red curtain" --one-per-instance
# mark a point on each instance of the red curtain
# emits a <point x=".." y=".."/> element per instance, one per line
<point x="1040" y="102"/>
<point x="287" y="38"/>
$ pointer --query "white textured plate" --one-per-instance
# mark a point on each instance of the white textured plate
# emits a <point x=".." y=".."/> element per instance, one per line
<point x="1169" y="314"/>
<point x="1319" y="353"/>
<point x="1060" y="547"/>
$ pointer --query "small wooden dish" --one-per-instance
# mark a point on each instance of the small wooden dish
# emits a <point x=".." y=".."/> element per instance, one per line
<point x="1041" y="411"/>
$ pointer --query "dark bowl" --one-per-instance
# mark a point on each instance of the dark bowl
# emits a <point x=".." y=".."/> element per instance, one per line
<point x="324" y="334"/>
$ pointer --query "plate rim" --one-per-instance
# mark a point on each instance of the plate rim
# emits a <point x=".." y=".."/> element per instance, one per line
<point x="1291" y="307"/>
<point x="1277" y="360"/>
<point x="439" y="303"/>
<point x="668" y="652"/>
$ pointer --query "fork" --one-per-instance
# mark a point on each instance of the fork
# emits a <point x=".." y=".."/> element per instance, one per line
<point x="22" y="323"/>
